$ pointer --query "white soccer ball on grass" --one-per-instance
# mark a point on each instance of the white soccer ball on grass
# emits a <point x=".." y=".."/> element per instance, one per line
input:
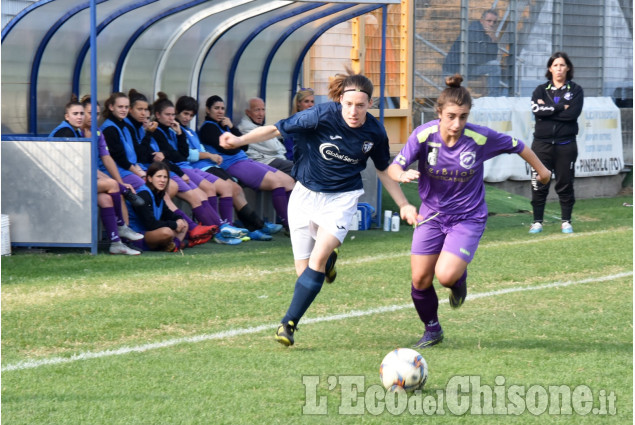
<point x="405" y="368"/>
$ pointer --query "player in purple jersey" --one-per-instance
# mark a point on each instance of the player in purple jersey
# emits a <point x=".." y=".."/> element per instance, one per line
<point x="450" y="154"/>
<point x="333" y="141"/>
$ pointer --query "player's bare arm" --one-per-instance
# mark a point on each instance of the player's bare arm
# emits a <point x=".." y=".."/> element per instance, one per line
<point x="544" y="175"/>
<point x="400" y="175"/>
<point x="230" y="141"/>
<point x="407" y="211"/>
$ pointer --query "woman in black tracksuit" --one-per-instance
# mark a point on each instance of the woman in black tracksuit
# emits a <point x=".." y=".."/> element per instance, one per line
<point x="556" y="105"/>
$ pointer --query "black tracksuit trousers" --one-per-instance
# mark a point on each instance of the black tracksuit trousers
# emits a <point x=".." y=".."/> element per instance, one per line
<point x="560" y="159"/>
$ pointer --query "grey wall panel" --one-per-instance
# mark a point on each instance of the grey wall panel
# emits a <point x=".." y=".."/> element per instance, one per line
<point x="50" y="202"/>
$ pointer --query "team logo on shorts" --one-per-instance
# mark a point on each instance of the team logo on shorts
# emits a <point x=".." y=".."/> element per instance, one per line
<point x="432" y="156"/>
<point x="467" y="159"/>
<point x="367" y="146"/>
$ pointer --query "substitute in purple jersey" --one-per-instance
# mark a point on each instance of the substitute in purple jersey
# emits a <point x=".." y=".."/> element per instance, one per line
<point x="450" y="154"/>
<point x="333" y="141"/>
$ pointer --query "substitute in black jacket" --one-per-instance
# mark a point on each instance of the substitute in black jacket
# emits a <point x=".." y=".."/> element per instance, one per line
<point x="556" y="105"/>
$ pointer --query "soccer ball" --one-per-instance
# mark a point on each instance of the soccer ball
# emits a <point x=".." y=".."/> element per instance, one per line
<point x="405" y="368"/>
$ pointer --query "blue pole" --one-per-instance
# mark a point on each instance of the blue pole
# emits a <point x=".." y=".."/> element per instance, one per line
<point x="93" y="124"/>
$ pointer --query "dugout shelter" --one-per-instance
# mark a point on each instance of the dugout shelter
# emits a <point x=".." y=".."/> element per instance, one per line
<point x="54" y="48"/>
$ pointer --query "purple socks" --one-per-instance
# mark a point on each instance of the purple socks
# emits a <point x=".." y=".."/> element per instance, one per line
<point x="116" y="203"/>
<point x="427" y="305"/>
<point x="109" y="219"/>
<point x="226" y="209"/>
<point x="206" y="215"/>
<point x="187" y="219"/>
<point x="280" y="203"/>
<point x="461" y="282"/>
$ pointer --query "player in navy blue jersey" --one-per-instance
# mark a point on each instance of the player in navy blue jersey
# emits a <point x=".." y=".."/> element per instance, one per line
<point x="333" y="142"/>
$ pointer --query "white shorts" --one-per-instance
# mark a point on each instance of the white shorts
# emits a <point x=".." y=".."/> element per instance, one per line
<point x="309" y="210"/>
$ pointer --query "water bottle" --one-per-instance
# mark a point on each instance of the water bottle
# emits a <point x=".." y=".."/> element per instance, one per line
<point x="387" y="220"/>
<point x="394" y="222"/>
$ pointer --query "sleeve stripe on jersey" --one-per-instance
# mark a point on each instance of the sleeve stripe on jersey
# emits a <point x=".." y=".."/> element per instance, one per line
<point x="423" y="136"/>
<point x="478" y="138"/>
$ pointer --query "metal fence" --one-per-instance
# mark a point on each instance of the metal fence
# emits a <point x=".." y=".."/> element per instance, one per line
<point x="596" y="34"/>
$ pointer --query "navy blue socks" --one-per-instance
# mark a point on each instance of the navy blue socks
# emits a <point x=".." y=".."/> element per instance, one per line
<point x="307" y="287"/>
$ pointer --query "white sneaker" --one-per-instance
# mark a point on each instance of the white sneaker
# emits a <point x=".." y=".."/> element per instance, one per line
<point x="126" y="232"/>
<point x="566" y="227"/>
<point x="121" y="248"/>
<point x="535" y="228"/>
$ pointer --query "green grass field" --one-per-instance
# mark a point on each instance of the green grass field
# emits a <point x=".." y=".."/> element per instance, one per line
<point x="188" y="339"/>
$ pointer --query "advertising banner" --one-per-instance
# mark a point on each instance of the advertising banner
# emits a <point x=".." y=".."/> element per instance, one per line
<point x="599" y="139"/>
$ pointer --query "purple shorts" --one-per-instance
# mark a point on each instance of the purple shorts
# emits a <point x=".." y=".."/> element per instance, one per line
<point x="458" y="234"/>
<point x="134" y="181"/>
<point x="250" y="172"/>
<point x="197" y="176"/>
<point x="183" y="187"/>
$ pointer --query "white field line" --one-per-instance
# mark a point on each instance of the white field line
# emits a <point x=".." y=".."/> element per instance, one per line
<point x="31" y="364"/>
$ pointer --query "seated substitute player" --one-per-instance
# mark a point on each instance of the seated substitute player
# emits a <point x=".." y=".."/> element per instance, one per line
<point x="171" y="140"/>
<point x="453" y="212"/>
<point x="113" y="210"/>
<point x="186" y="109"/>
<point x="163" y="229"/>
<point x="141" y="130"/>
<point x="108" y="190"/>
<point x="333" y="142"/>
<point x="253" y="174"/>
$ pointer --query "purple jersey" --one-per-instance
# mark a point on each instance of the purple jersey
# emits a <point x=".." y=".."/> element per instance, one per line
<point x="451" y="179"/>
<point x="102" y="147"/>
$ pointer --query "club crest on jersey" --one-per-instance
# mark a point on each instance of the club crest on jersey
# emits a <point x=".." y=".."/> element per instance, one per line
<point x="467" y="159"/>
<point x="367" y="146"/>
<point x="568" y="95"/>
<point x="432" y="156"/>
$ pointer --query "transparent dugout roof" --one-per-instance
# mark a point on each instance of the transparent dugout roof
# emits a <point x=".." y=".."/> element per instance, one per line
<point x="235" y="49"/>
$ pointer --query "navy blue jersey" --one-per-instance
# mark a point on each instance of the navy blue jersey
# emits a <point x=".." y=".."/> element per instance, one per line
<point x="330" y="155"/>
